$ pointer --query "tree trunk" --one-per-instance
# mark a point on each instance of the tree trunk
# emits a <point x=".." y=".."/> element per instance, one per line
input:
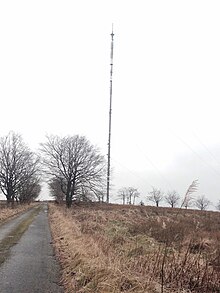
<point x="10" y="197"/>
<point x="8" y="201"/>
<point x="68" y="201"/>
<point x="68" y="195"/>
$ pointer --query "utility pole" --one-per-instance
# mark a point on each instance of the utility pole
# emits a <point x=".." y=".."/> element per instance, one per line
<point x="110" y="117"/>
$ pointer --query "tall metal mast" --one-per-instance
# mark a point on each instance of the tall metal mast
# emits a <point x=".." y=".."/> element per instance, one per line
<point x="110" y="117"/>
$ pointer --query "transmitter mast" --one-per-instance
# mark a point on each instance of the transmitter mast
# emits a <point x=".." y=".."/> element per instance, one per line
<point x="110" y="117"/>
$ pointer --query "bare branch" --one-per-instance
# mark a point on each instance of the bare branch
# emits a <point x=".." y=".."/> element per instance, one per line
<point x="75" y="163"/>
<point x="172" y="198"/>
<point x="156" y="196"/>
<point x="202" y="202"/>
<point x="18" y="166"/>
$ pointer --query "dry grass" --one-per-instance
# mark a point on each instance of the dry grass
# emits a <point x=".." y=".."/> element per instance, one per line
<point x="6" y="213"/>
<point x="113" y="248"/>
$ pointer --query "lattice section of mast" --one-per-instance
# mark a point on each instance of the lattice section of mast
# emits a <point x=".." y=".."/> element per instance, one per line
<point x="110" y="118"/>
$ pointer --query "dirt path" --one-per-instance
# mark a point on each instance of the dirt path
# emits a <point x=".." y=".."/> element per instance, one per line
<point x="30" y="266"/>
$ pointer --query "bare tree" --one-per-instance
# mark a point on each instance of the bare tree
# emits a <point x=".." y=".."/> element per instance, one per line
<point x="134" y="193"/>
<point x="156" y="196"/>
<point x="188" y="198"/>
<point x="55" y="190"/>
<point x="100" y="193"/>
<point x="218" y="206"/>
<point x="29" y="191"/>
<point x="84" y="194"/>
<point x="172" y="198"/>
<point x="202" y="202"/>
<point x="87" y="194"/>
<point x="128" y="194"/>
<point x="122" y="194"/>
<point x="75" y="163"/>
<point x="18" y="165"/>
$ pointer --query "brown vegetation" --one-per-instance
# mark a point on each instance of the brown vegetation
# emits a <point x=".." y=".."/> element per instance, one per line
<point x="112" y="248"/>
<point x="8" y="212"/>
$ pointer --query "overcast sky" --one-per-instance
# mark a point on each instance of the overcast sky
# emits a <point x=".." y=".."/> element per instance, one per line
<point x="54" y="79"/>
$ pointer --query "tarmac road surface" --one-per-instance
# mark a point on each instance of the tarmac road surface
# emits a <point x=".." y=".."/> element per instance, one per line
<point x="31" y="266"/>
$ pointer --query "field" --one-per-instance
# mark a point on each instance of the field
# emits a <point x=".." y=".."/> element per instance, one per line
<point x="114" y="248"/>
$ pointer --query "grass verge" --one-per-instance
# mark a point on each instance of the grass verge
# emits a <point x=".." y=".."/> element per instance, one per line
<point x="8" y="213"/>
<point x="117" y="249"/>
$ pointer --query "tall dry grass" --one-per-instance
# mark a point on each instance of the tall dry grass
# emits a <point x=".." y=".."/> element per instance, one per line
<point x="113" y="248"/>
<point x="8" y="212"/>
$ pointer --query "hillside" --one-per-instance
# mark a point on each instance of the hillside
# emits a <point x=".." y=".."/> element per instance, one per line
<point x="114" y="248"/>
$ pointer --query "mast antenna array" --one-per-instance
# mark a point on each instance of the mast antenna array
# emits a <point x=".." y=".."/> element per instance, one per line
<point x="110" y="117"/>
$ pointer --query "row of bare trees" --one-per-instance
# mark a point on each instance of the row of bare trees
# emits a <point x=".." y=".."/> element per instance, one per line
<point x="128" y="195"/>
<point x="75" y="170"/>
<point x="74" y="167"/>
<point x="172" y="198"/>
<point x="19" y="172"/>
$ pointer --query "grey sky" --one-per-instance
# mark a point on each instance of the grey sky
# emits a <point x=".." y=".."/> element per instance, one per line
<point x="54" y="75"/>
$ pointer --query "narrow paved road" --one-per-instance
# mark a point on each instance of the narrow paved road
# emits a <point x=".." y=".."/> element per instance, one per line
<point x="31" y="266"/>
<point x="7" y="227"/>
